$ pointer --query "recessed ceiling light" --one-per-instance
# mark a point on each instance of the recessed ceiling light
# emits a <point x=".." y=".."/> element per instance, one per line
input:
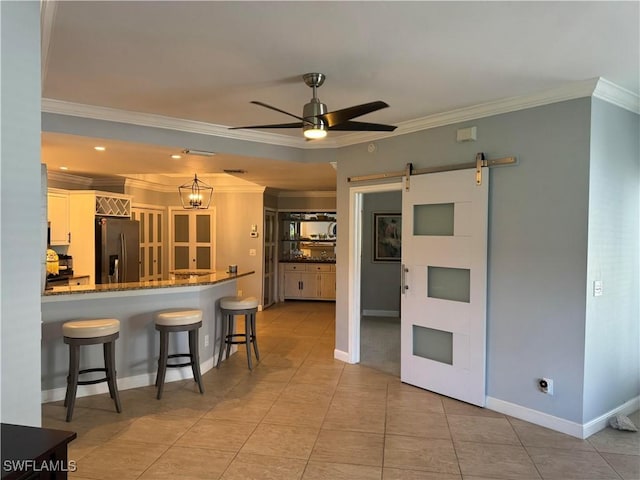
<point x="100" y="149"/>
<point x="176" y="156"/>
<point x="64" y="168"/>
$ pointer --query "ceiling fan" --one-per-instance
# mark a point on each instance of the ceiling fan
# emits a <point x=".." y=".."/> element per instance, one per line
<point x="316" y="120"/>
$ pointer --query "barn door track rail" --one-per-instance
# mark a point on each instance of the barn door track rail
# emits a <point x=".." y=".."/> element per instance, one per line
<point x="480" y="161"/>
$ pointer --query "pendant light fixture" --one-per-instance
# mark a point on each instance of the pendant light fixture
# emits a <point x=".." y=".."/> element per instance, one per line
<point x="195" y="195"/>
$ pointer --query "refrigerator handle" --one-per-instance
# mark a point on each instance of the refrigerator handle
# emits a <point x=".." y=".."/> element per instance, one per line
<point x="114" y="267"/>
<point x="123" y="256"/>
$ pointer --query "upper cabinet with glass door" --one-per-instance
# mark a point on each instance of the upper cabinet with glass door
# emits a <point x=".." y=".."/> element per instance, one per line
<point x="306" y="236"/>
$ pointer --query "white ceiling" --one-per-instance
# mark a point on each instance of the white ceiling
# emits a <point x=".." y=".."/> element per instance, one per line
<point x="205" y="61"/>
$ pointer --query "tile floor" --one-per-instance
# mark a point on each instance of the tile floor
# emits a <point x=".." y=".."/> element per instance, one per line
<point x="303" y="415"/>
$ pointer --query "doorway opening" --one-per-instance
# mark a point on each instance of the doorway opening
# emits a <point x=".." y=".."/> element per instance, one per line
<point x="374" y="299"/>
<point x="380" y="281"/>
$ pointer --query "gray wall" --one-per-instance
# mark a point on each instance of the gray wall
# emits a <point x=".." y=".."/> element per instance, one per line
<point x="380" y="282"/>
<point x="612" y="337"/>
<point x="22" y="230"/>
<point x="235" y="213"/>
<point x="323" y="201"/>
<point x="537" y="243"/>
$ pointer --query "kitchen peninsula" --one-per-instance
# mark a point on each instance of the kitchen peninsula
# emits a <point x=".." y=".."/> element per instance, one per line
<point x="134" y="305"/>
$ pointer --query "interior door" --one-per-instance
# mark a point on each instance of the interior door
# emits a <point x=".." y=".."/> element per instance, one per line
<point x="444" y="256"/>
<point x="269" y="279"/>
<point x="151" y="242"/>
<point x="193" y="239"/>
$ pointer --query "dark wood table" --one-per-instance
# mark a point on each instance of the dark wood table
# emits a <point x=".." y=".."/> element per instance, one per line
<point x="35" y="453"/>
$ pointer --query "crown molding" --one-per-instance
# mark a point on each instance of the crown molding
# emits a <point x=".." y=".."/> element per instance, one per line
<point x="61" y="107"/>
<point x="69" y="179"/>
<point x="238" y="189"/>
<point x="612" y="93"/>
<point x="308" y="194"/>
<point x="151" y="186"/>
<point x="598" y="87"/>
<point x="163" y="188"/>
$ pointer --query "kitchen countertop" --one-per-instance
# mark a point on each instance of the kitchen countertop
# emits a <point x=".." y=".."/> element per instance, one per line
<point x="195" y="271"/>
<point x="304" y="260"/>
<point x="199" y="280"/>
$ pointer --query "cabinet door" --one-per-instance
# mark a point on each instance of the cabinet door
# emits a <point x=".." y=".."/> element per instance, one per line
<point x="58" y="216"/>
<point x="327" y="285"/>
<point x="292" y="285"/>
<point x="193" y="240"/>
<point x="151" y="242"/>
<point x="309" y="284"/>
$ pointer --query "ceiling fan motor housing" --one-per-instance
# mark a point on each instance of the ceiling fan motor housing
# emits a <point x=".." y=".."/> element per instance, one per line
<point x="311" y="113"/>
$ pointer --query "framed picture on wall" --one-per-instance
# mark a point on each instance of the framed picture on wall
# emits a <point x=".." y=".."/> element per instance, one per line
<point x="387" y="237"/>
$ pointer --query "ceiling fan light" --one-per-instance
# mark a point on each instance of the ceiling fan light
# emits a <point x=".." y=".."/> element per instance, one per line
<point x="315" y="133"/>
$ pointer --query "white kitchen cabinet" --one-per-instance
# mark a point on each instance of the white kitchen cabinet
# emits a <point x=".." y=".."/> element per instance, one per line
<point x="84" y="205"/>
<point x="308" y="281"/>
<point x="58" y="217"/>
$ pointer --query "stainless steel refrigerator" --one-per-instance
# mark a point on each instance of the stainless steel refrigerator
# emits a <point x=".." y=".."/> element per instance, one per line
<point x="117" y="250"/>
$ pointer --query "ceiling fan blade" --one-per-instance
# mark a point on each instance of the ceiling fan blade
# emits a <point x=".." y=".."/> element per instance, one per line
<point x="276" y="125"/>
<point x="363" y="127"/>
<point x="340" y="116"/>
<point x="278" y="110"/>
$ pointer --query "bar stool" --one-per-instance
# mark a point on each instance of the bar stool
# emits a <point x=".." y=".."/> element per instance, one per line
<point x="230" y="307"/>
<point x="91" y="332"/>
<point x="178" y="320"/>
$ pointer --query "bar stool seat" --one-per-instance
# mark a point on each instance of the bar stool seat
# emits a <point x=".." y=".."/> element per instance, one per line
<point x="230" y="307"/>
<point x="91" y="328"/>
<point x="76" y="333"/>
<point x="178" y="320"/>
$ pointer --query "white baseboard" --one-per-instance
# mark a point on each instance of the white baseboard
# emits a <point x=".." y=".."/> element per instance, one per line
<point x="342" y="356"/>
<point x="125" y="383"/>
<point x="558" y="424"/>
<point x="380" y="313"/>
<point x="602" y="421"/>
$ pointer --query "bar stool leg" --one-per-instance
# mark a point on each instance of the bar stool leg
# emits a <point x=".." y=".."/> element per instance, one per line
<point x="247" y="338"/>
<point x="223" y="336"/>
<point x="161" y="355"/>
<point x="110" y="365"/>
<point x="254" y="336"/>
<point x="195" y="358"/>
<point x="105" y="352"/>
<point x="162" y="362"/>
<point x="231" y="330"/>
<point x="72" y="379"/>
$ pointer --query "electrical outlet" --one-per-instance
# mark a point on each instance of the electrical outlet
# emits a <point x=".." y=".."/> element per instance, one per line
<point x="239" y="293"/>
<point x="546" y="385"/>
<point x="206" y="340"/>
